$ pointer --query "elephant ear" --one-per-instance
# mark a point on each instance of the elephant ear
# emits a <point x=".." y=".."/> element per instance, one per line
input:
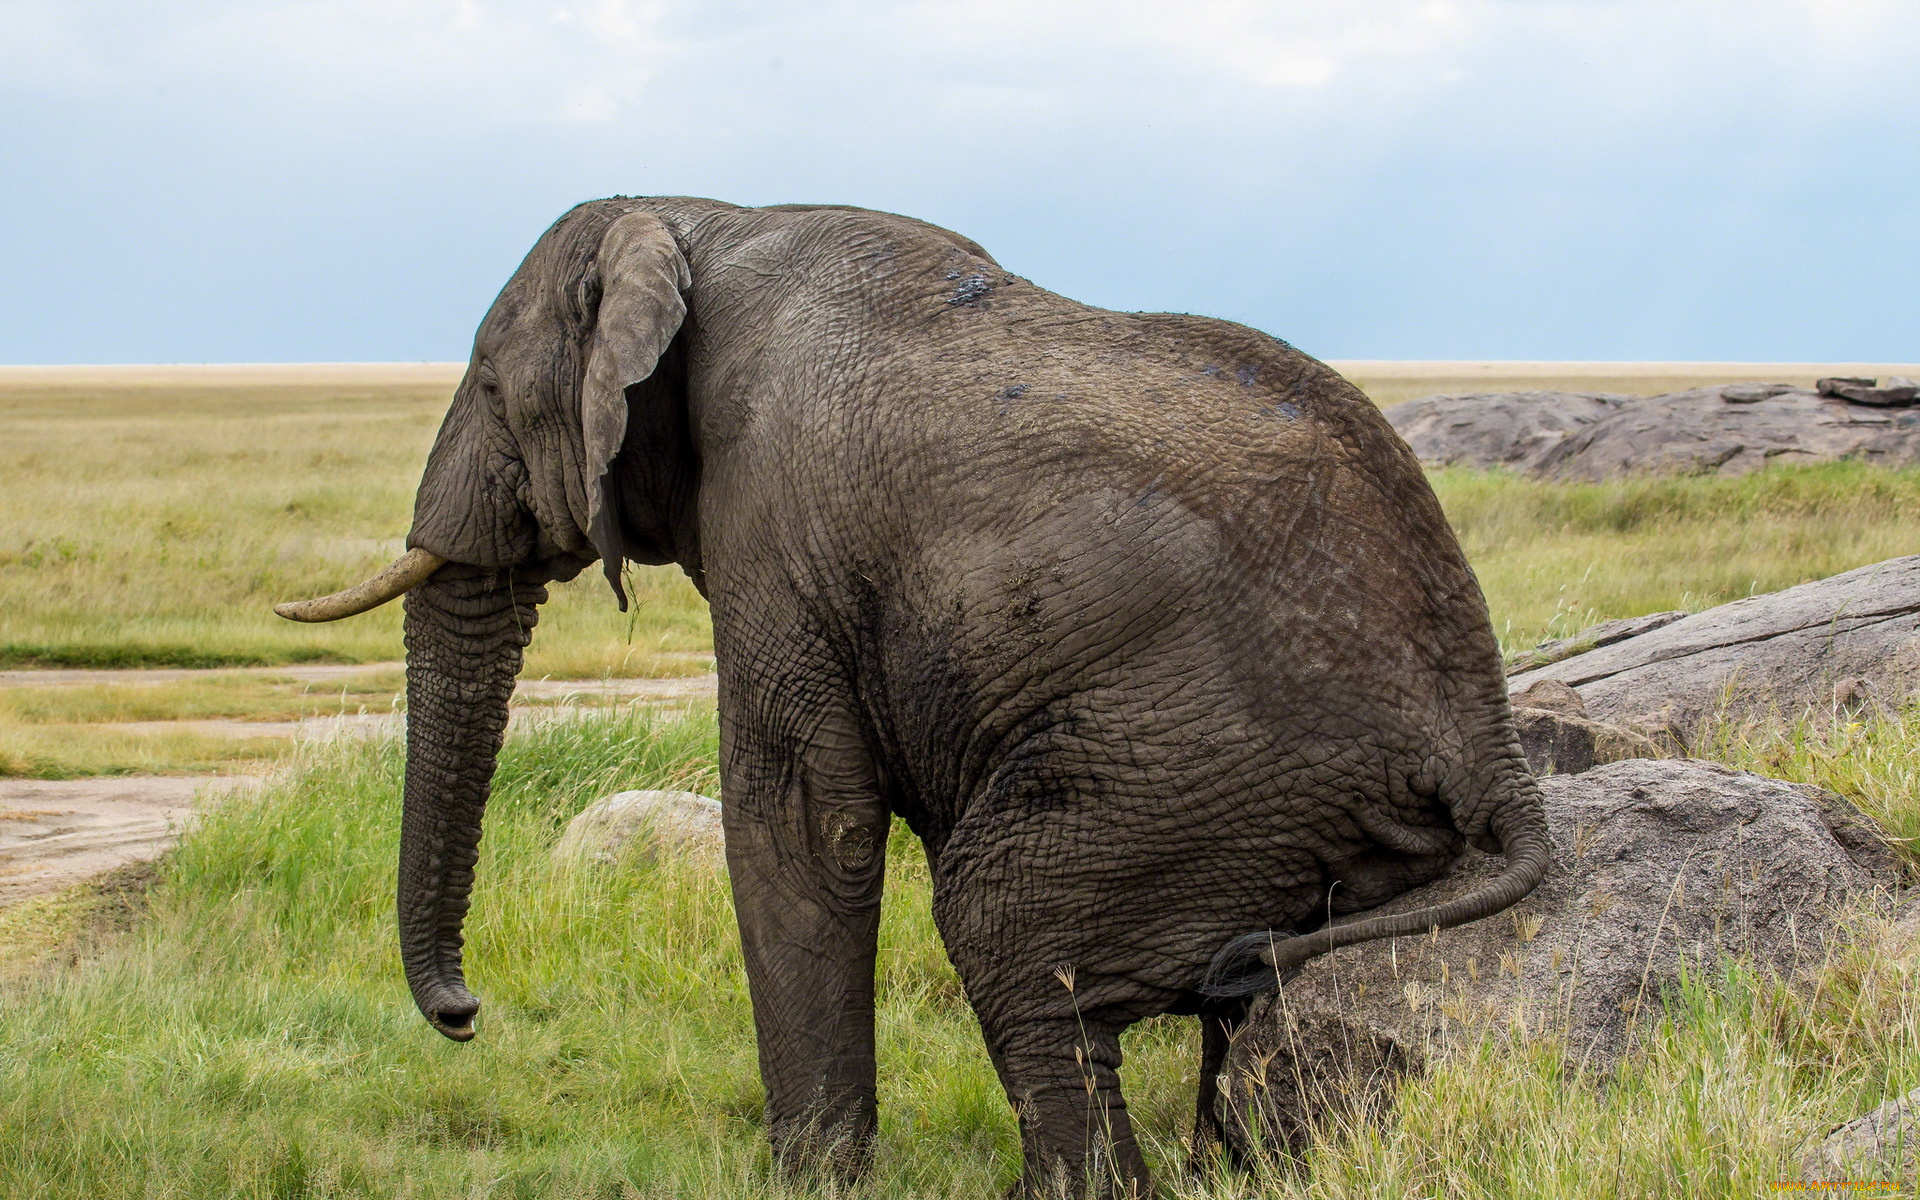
<point x="642" y="277"/>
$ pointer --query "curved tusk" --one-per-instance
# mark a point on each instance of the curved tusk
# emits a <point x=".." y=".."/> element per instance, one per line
<point x="408" y="571"/>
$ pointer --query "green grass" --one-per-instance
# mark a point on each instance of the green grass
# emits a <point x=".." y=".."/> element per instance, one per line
<point x="246" y="1032"/>
<point x="251" y="1035"/>
<point x="1555" y="558"/>
<point x="154" y="526"/>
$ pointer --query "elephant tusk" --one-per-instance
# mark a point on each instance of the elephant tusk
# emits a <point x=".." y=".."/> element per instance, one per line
<point x="408" y="571"/>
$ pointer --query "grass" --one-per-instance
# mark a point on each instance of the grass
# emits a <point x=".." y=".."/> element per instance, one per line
<point x="155" y="525"/>
<point x="240" y="1028"/>
<point x="251" y="1036"/>
<point x="1555" y="558"/>
<point x="69" y="750"/>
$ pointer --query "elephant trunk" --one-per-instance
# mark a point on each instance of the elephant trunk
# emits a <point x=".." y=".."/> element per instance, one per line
<point x="465" y="631"/>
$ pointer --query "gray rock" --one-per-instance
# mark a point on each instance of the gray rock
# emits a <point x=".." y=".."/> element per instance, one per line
<point x="1883" y="1144"/>
<point x="1696" y="433"/>
<point x="1559" y="738"/>
<point x="1754" y="393"/>
<point x="1839" y="643"/>
<point x="1551" y="695"/>
<point x="1496" y="429"/>
<point x="1726" y="430"/>
<point x="1897" y="392"/>
<point x="1557" y="743"/>
<point x="1554" y="743"/>
<point x="1606" y="633"/>
<point x="646" y="823"/>
<point x="1656" y="863"/>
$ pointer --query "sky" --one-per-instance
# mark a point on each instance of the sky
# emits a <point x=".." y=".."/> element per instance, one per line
<point x="353" y="180"/>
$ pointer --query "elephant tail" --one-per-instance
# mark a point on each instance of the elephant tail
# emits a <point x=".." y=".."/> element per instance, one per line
<point x="1261" y="962"/>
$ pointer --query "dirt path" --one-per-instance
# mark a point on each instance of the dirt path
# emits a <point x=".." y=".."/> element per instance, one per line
<point x="56" y="833"/>
<point x="136" y="676"/>
<point x="550" y="692"/>
<point x="313" y="673"/>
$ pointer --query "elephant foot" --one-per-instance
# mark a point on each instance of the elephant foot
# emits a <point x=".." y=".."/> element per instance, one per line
<point x="827" y="1148"/>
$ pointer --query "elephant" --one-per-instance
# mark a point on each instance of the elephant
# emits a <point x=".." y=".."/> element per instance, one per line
<point x="1147" y="625"/>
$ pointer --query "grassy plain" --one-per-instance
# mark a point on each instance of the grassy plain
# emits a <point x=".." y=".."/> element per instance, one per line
<point x="152" y="518"/>
<point x="246" y="1032"/>
<point x="153" y="523"/>
<point x="250" y="1036"/>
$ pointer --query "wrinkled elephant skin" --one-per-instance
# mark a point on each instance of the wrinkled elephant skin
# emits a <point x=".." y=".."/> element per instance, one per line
<point x="1147" y="625"/>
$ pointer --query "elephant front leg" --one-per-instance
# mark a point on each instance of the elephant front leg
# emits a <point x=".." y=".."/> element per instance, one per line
<point x="806" y="851"/>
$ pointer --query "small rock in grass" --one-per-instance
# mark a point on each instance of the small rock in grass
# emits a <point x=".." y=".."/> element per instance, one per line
<point x="1554" y="696"/>
<point x="646" y="822"/>
<point x="1559" y="738"/>
<point x="1881" y="1145"/>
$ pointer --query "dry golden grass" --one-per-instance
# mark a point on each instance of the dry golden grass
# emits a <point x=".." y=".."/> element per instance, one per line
<point x="153" y="520"/>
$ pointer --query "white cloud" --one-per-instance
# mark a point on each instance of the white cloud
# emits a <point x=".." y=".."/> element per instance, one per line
<point x="446" y="60"/>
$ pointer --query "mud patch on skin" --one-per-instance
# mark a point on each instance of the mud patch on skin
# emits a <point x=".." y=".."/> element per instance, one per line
<point x="972" y="291"/>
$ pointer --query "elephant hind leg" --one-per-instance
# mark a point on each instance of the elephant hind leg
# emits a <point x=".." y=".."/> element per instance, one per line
<point x="1218" y="1023"/>
<point x="1062" y="1077"/>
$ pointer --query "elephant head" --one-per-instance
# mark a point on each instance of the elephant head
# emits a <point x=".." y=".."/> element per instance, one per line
<point x="566" y="441"/>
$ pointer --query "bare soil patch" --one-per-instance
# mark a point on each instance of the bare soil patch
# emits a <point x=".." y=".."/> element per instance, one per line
<point x="57" y="833"/>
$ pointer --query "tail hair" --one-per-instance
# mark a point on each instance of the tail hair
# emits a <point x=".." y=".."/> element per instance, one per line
<point x="1244" y="967"/>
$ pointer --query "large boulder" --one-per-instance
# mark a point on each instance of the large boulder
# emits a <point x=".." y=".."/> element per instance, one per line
<point x="1729" y="430"/>
<point x="644" y="823"/>
<point x="1656" y="863"/>
<point x="1497" y="429"/>
<point x="1836" y="644"/>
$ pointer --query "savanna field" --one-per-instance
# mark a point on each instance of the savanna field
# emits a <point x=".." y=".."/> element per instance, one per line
<point x="233" y="1022"/>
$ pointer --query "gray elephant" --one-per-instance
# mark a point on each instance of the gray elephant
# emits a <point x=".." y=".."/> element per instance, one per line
<point x="1147" y="625"/>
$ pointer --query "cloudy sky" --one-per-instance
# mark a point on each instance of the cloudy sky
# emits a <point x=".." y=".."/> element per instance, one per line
<point x="258" y="181"/>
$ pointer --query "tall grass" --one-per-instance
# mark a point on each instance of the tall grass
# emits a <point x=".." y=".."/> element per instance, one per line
<point x="156" y="525"/>
<point x="251" y="1036"/>
<point x="1555" y="558"/>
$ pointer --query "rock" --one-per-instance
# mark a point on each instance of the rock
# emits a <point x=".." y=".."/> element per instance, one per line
<point x="1496" y="429"/>
<point x="1833" y="644"/>
<point x="1696" y="433"/>
<point x="1898" y="392"/>
<point x="1727" y="430"/>
<point x="1558" y="738"/>
<point x="1553" y="696"/>
<point x="1883" y="1144"/>
<point x="681" y="822"/>
<point x="1655" y="862"/>
<point x="1555" y="744"/>
<point x="1606" y="633"/>
<point x="1754" y="393"/>
<point x="1558" y="744"/>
